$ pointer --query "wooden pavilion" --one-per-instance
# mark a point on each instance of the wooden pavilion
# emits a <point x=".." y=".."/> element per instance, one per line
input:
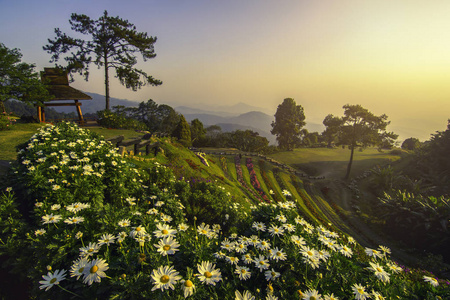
<point x="57" y="83"/>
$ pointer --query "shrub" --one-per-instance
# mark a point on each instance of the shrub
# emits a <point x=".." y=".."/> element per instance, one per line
<point x="138" y="244"/>
<point x="109" y="119"/>
<point x="6" y="121"/>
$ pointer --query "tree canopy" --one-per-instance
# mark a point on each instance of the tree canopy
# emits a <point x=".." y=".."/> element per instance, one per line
<point x="18" y="80"/>
<point x="289" y="120"/>
<point x="358" y="128"/>
<point x="113" y="43"/>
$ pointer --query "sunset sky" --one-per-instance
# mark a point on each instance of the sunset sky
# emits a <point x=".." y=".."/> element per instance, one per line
<point x="392" y="57"/>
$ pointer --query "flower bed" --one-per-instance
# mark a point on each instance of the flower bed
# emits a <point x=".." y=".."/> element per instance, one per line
<point x="145" y="235"/>
<point x="254" y="180"/>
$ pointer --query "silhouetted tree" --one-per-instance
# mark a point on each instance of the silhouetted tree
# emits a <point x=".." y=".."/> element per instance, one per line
<point x="289" y="120"/>
<point x="331" y="131"/>
<point x="411" y="144"/>
<point x="113" y="44"/>
<point x="359" y="128"/>
<point x="182" y="132"/>
<point x="247" y="140"/>
<point x="18" y="80"/>
<point x="197" y="132"/>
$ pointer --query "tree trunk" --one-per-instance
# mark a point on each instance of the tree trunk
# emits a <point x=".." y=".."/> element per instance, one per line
<point x="349" y="166"/>
<point x="106" y="82"/>
<point x="2" y="107"/>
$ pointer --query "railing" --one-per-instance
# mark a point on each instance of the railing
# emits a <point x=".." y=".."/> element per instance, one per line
<point x="137" y="143"/>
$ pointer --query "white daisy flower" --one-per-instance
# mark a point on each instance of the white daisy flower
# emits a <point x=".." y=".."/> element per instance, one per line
<point x="164" y="230"/>
<point x="431" y="280"/>
<point x="208" y="274"/>
<point x="271" y="274"/>
<point x="106" y="239"/>
<point x="246" y="295"/>
<point x="74" y="220"/>
<point x="165" y="277"/>
<point x="49" y="219"/>
<point x="167" y="245"/>
<point x="52" y="279"/>
<point x="78" y="267"/>
<point x="188" y="288"/>
<point x="243" y="272"/>
<point x="95" y="271"/>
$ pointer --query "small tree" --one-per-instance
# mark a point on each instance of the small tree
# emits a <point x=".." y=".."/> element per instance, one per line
<point x="182" y="132"/>
<point x="198" y="132"/>
<point x="289" y="120"/>
<point x="359" y="128"/>
<point x="411" y="144"/>
<point x="113" y="44"/>
<point x="18" y="80"/>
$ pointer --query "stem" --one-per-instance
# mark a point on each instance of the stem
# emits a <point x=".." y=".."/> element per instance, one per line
<point x="69" y="291"/>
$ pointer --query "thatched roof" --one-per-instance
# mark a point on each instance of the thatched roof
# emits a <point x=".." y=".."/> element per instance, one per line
<point x="57" y="84"/>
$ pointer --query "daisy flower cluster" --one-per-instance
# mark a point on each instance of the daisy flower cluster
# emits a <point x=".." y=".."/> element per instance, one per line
<point x="143" y="234"/>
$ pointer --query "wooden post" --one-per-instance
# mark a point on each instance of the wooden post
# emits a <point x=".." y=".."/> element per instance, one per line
<point x="80" y="115"/>
<point x="39" y="113"/>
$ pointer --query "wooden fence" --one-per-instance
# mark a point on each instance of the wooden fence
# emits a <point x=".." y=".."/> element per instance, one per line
<point x="137" y="143"/>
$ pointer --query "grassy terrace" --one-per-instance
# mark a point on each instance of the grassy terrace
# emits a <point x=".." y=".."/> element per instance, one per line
<point x="333" y="162"/>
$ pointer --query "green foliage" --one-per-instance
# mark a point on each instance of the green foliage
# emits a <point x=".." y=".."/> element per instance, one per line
<point x="18" y="80"/>
<point x="117" y="119"/>
<point x="157" y="117"/>
<point x="358" y="128"/>
<point x="198" y="133"/>
<point x="411" y="144"/>
<point x="289" y="120"/>
<point x="113" y="44"/>
<point x="248" y="141"/>
<point x="183" y="132"/>
<point x="126" y="225"/>
<point x="422" y="221"/>
<point x="6" y="121"/>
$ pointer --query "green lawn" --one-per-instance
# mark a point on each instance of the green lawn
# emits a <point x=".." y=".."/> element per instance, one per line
<point x="18" y="134"/>
<point x="333" y="162"/>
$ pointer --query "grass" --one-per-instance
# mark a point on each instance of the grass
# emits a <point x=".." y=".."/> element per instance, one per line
<point x="18" y="134"/>
<point x="333" y="162"/>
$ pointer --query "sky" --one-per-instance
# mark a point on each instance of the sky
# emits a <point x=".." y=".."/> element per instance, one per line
<point x="391" y="57"/>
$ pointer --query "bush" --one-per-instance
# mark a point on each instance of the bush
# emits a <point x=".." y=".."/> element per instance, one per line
<point x="130" y="238"/>
<point x="109" y="119"/>
<point x="6" y="121"/>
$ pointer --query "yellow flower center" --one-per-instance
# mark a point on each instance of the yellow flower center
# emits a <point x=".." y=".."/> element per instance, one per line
<point x="164" y="279"/>
<point x="51" y="219"/>
<point x="74" y="220"/>
<point x="76" y="206"/>
<point x="94" y="269"/>
<point x="207" y="274"/>
<point x="90" y="250"/>
<point x="312" y="298"/>
<point x="309" y="253"/>
<point x="278" y="253"/>
<point x="188" y="283"/>
<point x="138" y="229"/>
<point x="166" y="248"/>
<point x="361" y="291"/>
<point x="81" y="270"/>
<point x="261" y="262"/>
<point x="243" y="271"/>
<point x="165" y="231"/>
<point x="53" y="280"/>
<point x="379" y="269"/>
<point x="273" y="274"/>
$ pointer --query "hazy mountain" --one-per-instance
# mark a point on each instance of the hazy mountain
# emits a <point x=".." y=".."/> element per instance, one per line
<point x="231" y="110"/>
<point x="97" y="103"/>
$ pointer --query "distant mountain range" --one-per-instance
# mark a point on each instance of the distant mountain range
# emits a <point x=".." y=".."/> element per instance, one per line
<point x="239" y="116"/>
